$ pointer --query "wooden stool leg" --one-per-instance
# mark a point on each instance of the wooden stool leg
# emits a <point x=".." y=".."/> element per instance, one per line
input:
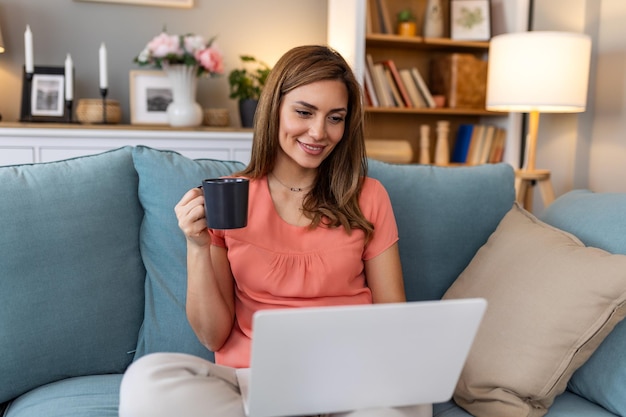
<point x="547" y="192"/>
<point x="524" y="183"/>
<point x="524" y="193"/>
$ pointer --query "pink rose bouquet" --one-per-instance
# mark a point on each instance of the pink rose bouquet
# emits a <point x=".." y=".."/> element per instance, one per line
<point x="191" y="50"/>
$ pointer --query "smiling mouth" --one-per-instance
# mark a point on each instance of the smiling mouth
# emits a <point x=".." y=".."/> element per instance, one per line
<point x="312" y="149"/>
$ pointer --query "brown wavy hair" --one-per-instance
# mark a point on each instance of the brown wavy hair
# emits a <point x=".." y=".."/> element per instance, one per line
<point x="334" y="198"/>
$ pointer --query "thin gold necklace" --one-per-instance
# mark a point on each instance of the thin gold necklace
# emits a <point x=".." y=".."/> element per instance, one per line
<point x="292" y="189"/>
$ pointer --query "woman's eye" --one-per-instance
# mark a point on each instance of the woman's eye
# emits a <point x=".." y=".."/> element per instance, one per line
<point x="303" y="113"/>
<point x="336" y="119"/>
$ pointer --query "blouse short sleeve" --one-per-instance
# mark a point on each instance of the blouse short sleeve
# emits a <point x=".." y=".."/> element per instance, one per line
<point x="376" y="207"/>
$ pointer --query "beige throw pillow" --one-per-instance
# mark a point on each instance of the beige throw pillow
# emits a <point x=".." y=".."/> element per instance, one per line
<point x="551" y="302"/>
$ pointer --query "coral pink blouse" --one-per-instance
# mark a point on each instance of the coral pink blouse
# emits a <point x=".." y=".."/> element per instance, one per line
<point x="278" y="265"/>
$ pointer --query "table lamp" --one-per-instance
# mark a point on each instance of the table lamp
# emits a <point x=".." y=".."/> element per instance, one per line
<point x="533" y="72"/>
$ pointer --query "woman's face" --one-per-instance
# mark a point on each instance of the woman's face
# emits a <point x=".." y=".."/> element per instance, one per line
<point x="312" y="122"/>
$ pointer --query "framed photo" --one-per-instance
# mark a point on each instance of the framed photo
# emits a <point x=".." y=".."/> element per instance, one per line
<point x="43" y="96"/>
<point x="470" y="20"/>
<point x="150" y="94"/>
<point x="164" y="3"/>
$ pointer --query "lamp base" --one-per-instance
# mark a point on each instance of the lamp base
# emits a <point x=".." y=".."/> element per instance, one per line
<point x="524" y="182"/>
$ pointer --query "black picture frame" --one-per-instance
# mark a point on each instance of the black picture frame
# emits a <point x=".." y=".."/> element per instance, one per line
<point x="470" y="20"/>
<point x="43" y="95"/>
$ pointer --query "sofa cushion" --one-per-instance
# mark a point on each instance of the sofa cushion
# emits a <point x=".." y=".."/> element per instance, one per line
<point x="87" y="396"/>
<point x="164" y="177"/>
<point x="565" y="405"/>
<point x="598" y="220"/>
<point x="444" y="216"/>
<point x="71" y="276"/>
<point x="551" y="302"/>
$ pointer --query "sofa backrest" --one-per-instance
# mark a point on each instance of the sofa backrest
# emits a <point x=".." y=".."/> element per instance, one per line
<point x="71" y="276"/>
<point x="444" y="216"/>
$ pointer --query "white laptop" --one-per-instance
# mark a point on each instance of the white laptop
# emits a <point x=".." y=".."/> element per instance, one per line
<point x="309" y="361"/>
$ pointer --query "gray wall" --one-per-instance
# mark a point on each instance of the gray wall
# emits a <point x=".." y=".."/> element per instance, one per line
<point x="264" y="28"/>
<point x="588" y="150"/>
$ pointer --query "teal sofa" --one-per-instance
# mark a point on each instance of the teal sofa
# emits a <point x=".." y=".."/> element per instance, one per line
<point x="92" y="269"/>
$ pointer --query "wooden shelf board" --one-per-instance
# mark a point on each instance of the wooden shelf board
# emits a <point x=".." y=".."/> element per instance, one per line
<point x="437" y="111"/>
<point x="388" y="40"/>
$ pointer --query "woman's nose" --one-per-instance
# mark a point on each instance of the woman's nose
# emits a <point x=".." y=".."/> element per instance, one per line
<point x="317" y="129"/>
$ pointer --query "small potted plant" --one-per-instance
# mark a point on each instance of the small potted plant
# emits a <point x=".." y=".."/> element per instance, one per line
<point x="246" y="84"/>
<point x="406" y="23"/>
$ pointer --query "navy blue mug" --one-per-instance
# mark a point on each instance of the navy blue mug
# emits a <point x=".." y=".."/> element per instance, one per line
<point x="226" y="202"/>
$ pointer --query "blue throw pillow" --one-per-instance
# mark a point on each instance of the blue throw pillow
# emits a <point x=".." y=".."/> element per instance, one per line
<point x="598" y="220"/>
<point x="164" y="177"/>
<point x="71" y="276"/>
<point x="444" y="216"/>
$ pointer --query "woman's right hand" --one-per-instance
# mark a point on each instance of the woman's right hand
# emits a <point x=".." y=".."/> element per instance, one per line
<point x="191" y="217"/>
<point x="210" y="304"/>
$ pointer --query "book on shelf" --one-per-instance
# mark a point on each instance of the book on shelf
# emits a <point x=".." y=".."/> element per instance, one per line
<point x="462" y="143"/>
<point x="383" y="89"/>
<point x="475" y="144"/>
<point x="399" y="84"/>
<point x="416" y="97"/>
<point x="423" y="87"/>
<point x="371" y="24"/>
<point x="497" y="149"/>
<point x="370" y="91"/>
<point x="393" y="88"/>
<point x="485" y="149"/>
<point x="478" y="144"/>
<point x="384" y="17"/>
<point x="367" y="97"/>
<point x="377" y="77"/>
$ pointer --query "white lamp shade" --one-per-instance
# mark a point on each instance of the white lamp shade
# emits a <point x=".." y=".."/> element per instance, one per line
<point x="538" y="71"/>
<point x="1" y="42"/>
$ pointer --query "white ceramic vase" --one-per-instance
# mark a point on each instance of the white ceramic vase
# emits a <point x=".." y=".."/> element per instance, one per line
<point x="433" y="20"/>
<point x="183" y="111"/>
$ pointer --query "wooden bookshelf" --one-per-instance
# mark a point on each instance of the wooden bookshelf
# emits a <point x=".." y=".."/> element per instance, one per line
<point x="396" y="123"/>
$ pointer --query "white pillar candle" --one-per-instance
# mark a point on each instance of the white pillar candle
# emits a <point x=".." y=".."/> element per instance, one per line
<point x="69" y="78"/>
<point x="104" y="83"/>
<point x="28" y="50"/>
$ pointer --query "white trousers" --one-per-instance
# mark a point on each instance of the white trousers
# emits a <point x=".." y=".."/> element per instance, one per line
<point x="176" y="384"/>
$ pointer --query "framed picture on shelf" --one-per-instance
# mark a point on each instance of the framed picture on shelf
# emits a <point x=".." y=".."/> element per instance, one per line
<point x="164" y="3"/>
<point x="43" y="95"/>
<point x="470" y="20"/>
<point x="150" y="94"/>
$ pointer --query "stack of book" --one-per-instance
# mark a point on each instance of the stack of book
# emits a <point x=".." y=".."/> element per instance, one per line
<point x="478" y="144"/>
<point x="388" y="86"/>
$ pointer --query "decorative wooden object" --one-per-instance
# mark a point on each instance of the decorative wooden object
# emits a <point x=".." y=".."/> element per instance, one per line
<point x="461" y="78"/>
<point x="393" y="151"/>
<point x="90" y="111"/>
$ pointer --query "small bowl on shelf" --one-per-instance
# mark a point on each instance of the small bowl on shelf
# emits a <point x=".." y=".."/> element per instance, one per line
<point x="216" y="117"/>
<point x="90" y="111"/>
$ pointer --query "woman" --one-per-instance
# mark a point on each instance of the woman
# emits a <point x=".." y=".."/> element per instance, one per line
<point x="319" y="233"/>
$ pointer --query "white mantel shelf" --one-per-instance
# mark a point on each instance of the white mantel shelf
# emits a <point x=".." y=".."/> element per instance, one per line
<point x="45" y="142"/>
